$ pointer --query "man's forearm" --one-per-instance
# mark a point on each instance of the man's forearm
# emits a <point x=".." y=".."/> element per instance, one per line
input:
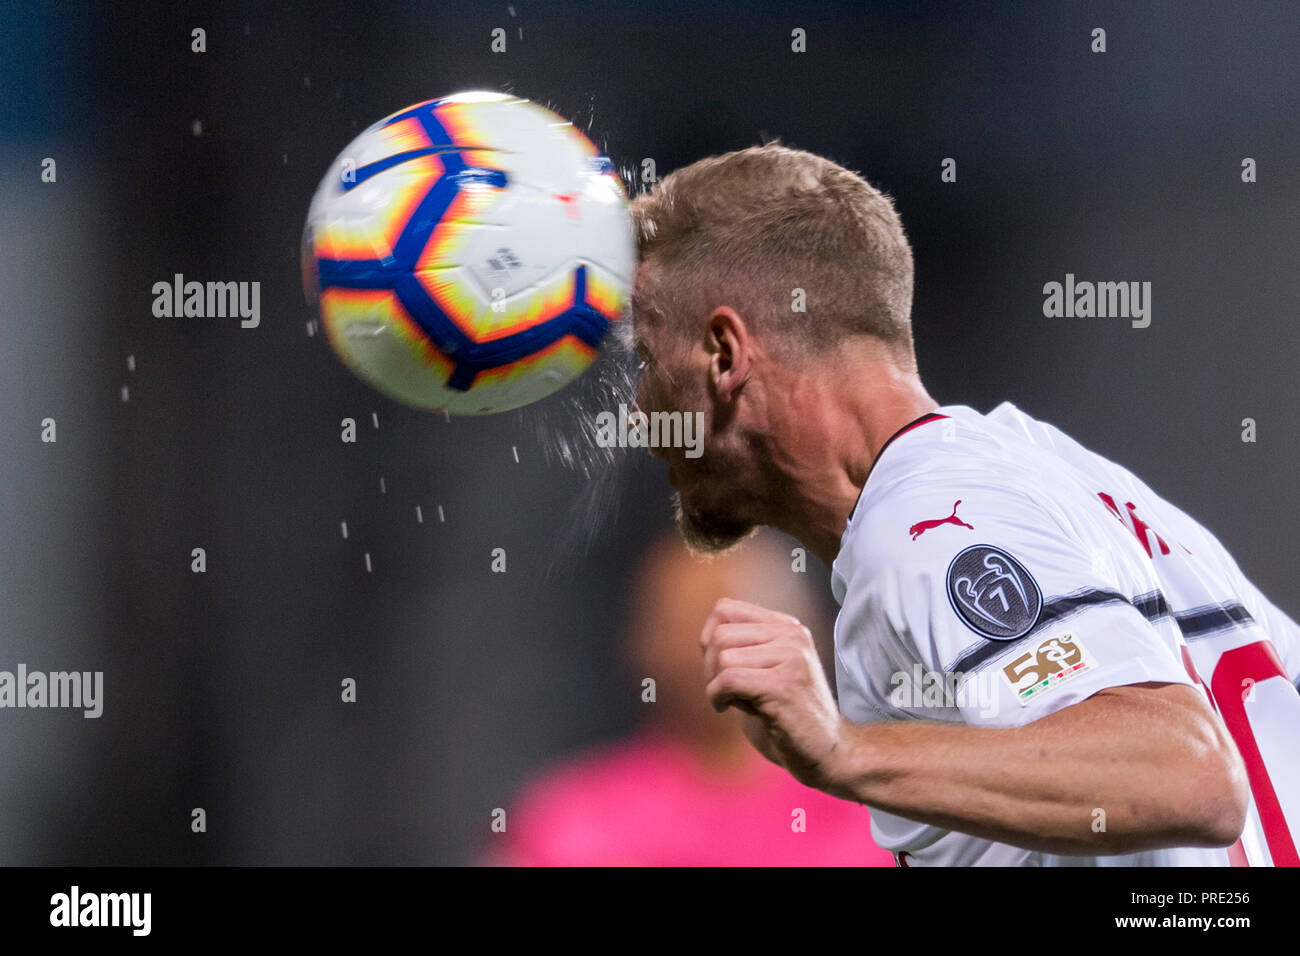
<point x="1160" y="772"/>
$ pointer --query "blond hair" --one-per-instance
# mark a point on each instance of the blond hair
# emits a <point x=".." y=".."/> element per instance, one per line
<point x="749" y="228"/>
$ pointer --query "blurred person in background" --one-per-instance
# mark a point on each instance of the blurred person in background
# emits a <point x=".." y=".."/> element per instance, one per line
<point x="687" y="789"/>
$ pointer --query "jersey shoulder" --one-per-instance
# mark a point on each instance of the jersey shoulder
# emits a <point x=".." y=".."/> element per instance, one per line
<point x="989" y="559"/>
<point x="961" y="481"/>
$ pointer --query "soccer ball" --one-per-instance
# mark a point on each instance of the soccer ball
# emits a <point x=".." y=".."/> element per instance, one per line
<point x="468" y="254"/>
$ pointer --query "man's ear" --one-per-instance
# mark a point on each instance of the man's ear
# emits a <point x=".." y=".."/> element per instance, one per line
<point x="731" y="352"/>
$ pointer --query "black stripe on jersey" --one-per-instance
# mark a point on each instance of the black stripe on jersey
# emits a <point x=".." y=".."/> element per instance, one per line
<point x="1204" y="621"/>
<point x="1195" y="623"/>
<point x="1153" y="606"/>
<point x="1053" y="611"/>
<point x="1062" y="607"/>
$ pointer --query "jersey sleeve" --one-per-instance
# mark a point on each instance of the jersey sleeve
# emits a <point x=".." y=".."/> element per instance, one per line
<point x="1016" y="607"/>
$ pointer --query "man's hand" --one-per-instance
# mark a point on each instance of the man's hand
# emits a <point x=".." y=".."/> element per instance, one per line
<point x="765" y="663"/>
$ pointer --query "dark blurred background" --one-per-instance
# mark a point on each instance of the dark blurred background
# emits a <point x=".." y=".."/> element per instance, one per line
<point x="223" y="688"/>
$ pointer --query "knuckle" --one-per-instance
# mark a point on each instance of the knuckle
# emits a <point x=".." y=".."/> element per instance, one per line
<point x="795" y="666"/>
<point x="798" y="630"/>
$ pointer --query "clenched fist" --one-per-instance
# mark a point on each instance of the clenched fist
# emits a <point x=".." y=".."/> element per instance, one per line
<point x="765" y="664"/>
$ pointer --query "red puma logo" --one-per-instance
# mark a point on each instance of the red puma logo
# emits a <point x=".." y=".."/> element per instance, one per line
<point x="921" y="527"/>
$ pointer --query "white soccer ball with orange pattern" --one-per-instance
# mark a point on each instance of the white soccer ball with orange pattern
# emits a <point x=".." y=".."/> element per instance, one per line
<point x="469" y="253"/>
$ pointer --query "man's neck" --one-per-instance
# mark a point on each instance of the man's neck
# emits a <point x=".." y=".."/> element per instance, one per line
<point x="831" y="439"/>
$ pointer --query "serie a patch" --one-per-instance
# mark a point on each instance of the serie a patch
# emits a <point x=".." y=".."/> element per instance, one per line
<point x="1052" y="662"/>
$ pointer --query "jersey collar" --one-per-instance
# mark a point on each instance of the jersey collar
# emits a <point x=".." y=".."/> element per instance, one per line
<point x="914" y="423"/>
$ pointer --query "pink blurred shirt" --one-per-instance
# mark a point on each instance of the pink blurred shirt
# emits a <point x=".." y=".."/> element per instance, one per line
<point x="646" y="802"/>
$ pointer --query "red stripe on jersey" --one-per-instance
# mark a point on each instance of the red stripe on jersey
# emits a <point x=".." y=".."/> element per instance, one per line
<point x="1238" y="668"/>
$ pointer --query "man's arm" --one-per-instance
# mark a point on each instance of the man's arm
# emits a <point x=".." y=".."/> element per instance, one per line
<point x="1152" y="756"/>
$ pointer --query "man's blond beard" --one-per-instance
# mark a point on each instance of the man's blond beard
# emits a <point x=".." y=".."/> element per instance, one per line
<point x="705" y="543"/>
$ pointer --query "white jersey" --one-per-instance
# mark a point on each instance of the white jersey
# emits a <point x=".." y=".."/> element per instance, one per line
<point x="995" y="571"/>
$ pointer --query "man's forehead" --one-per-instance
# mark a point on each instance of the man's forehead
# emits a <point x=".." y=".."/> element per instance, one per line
<point x="641" y="283"/>
<point x="643" y="308"/>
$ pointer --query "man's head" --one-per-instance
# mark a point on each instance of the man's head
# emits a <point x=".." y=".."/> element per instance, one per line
<point x="764" y="274"/>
